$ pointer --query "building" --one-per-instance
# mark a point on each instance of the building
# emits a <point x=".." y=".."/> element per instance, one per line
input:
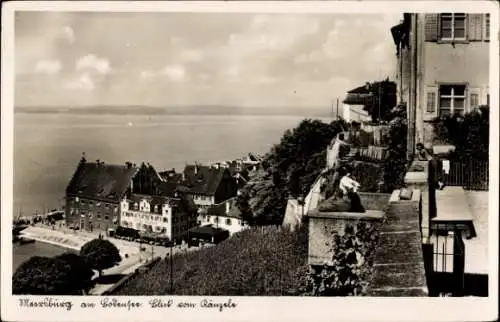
<point x="157" y="215"/>
<point x="94" y="193"/>
<point x="443" y="68"/>
<point x="226" y="216"/>
<point x="208" y="185"/>
<point x="354" y="104"/>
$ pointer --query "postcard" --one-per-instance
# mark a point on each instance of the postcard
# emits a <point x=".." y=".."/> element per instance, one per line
<point x="249" y="161"/>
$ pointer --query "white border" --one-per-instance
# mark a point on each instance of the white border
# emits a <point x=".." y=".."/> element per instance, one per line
<point x="256" y="308"/>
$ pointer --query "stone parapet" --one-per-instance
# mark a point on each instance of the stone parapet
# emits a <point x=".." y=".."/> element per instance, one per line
<point x="399" y="263"/>
<point x="322" y="226"/>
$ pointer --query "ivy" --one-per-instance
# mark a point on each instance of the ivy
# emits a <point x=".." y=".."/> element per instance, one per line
<point x="350" y="267"/>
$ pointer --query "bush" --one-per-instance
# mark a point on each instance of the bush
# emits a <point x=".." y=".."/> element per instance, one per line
<point x="258" y="261"/>
<point x="66" y="274"/>
<point x="469" y="134"/>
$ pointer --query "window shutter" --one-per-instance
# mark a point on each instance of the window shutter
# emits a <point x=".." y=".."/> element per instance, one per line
<point x="431" y="26"/>
<point x="431" y="102"/>
<point x="475" y="27"/>
<point x="486" y="35"/>
<point x="474" y="98"/>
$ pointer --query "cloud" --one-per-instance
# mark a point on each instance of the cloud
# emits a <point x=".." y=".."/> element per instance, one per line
<point x="191" y="55"/>
<point x="271" y="32"/>
<point x="176" y="72"/>
<point x="49" y="67"/>
<point x="67" y="34"/>
<point x="83" y="82"/>
<point x="147" y="74"/>
<point x="92" y="62"/>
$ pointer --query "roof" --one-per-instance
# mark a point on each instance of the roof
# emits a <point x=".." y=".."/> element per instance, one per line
<point x="202" y="179"/>
<point x="97" y="180"/>
<point x="171" y="175"/>
<point x="364" y="89"/>
<point x="207" y="231"/>
<point x="219" y="210"/>
<point x="154" y="201"/>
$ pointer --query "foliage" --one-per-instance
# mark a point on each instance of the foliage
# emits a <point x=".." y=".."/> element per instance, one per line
<point x="351" y="263"/>
<point x="381" y="102"/>
<point x="100" y="254"/>
<point x="66" y="274"/>
<point x="80" y="273"/>
<point x="289" y="169"/>
<point x="259" y="261"/>
<point x="396" y="163"/>
<point x="469" y="133"/>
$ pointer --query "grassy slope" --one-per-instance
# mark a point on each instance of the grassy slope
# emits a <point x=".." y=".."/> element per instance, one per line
<point x="260" y="261"/>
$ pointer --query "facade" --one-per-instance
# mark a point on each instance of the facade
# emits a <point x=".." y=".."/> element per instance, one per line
<point x="225" y="216"/>
<point x="94" y="193"/>
<point x="157" y="215"/>
<point x="355" y="113"/>
<point x="443" y="68"/>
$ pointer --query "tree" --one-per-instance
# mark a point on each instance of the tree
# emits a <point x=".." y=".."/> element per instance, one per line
<point x="383" y="98"/>
<point x="289" y="169"/>
<point x="62" y="275"/>
<point x="100" y="254"/>
<point x="80" y="273"/>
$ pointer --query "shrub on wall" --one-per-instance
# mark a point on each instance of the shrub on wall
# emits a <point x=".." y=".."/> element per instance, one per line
<point x="469" y="133"/>
<point x="352" y="262"/>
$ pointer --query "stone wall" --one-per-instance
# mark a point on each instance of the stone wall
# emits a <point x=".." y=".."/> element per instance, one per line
<point x="398" y="268"/>
<point x="323" y="224"/>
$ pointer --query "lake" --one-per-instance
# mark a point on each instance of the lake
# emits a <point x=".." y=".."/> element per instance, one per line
<point x="47" y="147"/>
<point x="22" y="253"/>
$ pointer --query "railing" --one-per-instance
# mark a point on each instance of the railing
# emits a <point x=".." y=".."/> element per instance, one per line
<point x="472" y="175"/>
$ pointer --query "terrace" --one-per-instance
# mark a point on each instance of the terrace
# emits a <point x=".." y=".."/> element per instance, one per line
<point x="397" y="265"/>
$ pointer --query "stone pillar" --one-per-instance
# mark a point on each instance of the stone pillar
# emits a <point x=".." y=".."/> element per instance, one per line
<point x="417" y="179"/>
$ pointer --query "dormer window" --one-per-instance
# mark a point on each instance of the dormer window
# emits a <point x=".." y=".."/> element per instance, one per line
<point x="136" y="206"/>
<point x="156" y="208"/>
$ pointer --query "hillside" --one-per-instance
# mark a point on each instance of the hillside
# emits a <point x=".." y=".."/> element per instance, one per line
<point x="260" y="261"/>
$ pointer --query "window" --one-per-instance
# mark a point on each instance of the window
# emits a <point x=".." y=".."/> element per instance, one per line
<point x="165" y="219"/>
<point x="106" y="217"/>
<point x="452" y="26"/>
<point x="474" y="101"/>
<point x="431" y="102"/>
<point x="228" y="221"/>
<point x="451" y="99"/>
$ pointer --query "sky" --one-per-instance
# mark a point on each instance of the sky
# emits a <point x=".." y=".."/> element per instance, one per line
<point x="176" y="59"/>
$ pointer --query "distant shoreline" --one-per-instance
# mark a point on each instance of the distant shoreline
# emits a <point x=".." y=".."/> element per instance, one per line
<point x="185" y="110"/>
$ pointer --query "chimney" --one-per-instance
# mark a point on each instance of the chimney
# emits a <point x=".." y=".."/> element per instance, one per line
<point x="217" y="166"/>
<point x="98" y="162"/>
<point x="83" y="160"/>
<point x="227" y="207"/>
<point x="195" y="168"/>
